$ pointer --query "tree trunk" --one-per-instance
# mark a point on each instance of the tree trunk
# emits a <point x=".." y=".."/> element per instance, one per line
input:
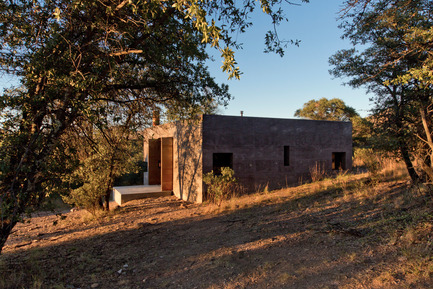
<point x="108" y="193"/>
<point x="100" y="203"/>
<point x="398" y="116"/>
<point x="409" y="166"/>
<point x="109" y="185"/>
<point x="5" y="230"/>
<point x="429" y="140"/>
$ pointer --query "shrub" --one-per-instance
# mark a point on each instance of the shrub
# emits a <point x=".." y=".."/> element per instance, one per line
<point x="221" y="187"/>
<point x="371" y="160"/>
<point x="111" y="155"/>
<point x="89" y="193"/>
<point x="317" y="172"/>
<point x="134" y="178"/>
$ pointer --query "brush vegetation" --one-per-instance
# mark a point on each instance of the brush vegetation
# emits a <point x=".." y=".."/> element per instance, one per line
<point x="372" y="229"/>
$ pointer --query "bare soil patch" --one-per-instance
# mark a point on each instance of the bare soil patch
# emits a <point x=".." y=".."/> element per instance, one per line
<point x="324" y="235"/>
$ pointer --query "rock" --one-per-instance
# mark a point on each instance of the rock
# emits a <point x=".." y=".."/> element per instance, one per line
<point x="241" y="254"/>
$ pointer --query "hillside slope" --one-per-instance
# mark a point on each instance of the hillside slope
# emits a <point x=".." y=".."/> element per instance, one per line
<point x="341" y="233"/>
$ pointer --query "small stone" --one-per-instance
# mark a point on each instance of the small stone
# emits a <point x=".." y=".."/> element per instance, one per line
<point x="402" y="259"/>
<point x="241" y="254"/>
<point x="94" y="285"/>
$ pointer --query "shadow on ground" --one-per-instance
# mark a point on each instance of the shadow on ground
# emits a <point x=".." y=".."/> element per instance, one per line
<point x="313" y="241"/>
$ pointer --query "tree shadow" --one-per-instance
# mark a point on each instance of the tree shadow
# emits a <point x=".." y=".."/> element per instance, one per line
<point x="295" y="243"/>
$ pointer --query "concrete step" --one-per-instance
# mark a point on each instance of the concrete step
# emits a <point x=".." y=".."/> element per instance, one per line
<point x="128" y="193"/>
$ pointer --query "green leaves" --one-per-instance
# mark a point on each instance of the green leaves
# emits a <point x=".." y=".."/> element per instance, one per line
<point x="216" y="20"/>
<point x="221" y="187"/>
<point x="395" y="63"/>
<point x="76" y="60"/>
<point x="323" y="109"/>
<point x="229" y="63"/>
<point x="56" y="14"/>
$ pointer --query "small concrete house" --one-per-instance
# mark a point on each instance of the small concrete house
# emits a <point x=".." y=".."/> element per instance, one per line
<point x="262" y="151"/>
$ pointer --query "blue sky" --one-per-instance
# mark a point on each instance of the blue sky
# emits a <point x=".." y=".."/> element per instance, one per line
<point x="272" y="86"/>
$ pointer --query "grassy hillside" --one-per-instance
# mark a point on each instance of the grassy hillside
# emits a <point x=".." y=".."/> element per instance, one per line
<point x="352" y="231"/>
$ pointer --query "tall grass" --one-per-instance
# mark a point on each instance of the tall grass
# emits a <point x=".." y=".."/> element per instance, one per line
<point x="317" y="172"/>
<point x="379" y="166"/>
<point x="393" y="170"/>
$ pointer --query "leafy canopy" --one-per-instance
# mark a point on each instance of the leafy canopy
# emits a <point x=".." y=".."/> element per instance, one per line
<point x="395" y="63"/>
<point x="77" y="59"/>
<point x="324" y="109"/>
<point x="408" y="22"/>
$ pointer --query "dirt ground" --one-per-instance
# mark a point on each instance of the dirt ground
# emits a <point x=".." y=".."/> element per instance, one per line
<point x="301" y="237"/>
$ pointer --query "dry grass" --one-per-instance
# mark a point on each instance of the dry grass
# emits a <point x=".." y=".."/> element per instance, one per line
<point x="341" y="232"/>
<point x="317" y="172"/>
<point x="405" y="222"/>
<point x="393" y="170"/>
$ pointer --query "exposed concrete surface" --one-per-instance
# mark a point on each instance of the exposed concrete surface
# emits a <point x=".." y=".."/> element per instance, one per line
<point x="187" y="157"/>
<point x="124" y="194"/>
<point x="264" y="152"/>
<point x="257" y="145"/>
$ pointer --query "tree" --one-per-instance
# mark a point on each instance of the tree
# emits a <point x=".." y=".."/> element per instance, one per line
<point x="101" y="163"/>
<point x="324" y="109"/>
<point x="387" y="67"/>
<point x="336" y="110"/>
<point x="415" y="30"/>
<point x="75" y="58"/>
<point x="105" y="150"/>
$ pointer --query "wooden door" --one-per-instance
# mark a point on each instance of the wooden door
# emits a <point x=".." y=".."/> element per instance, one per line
<point x="167" y="164"/>
<point x="154" y="161"/>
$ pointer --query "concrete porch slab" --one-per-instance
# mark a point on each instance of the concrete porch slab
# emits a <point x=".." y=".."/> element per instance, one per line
<point x="128" y="193"/>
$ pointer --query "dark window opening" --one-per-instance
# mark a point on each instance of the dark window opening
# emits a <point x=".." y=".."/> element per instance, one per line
<point x="286" y="156"/>
<point x="338" y="161"/>
<point x="221" y="160"/>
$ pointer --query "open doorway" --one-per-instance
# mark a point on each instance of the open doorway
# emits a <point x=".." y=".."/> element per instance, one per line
<point x="339" y="161"/>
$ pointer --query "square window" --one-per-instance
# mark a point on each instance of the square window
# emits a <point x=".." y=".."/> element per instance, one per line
<point x="221" y="160"/>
